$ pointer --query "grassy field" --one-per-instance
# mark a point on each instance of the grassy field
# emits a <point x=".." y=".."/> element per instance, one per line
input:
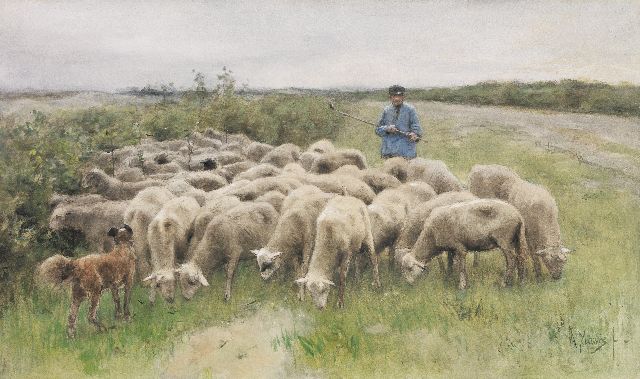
<point x="584" y="325"/>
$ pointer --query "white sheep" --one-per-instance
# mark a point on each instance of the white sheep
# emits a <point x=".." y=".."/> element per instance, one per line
<point x="477" y="225"/>
<point x="255" y="151"/>
<point x="396" y="166"/>
<point x="262" y="170"/>
<point x="261" y="186"/>
<point x="330" y="161"/>
<point x="342" y="185"/>
<point x="138" y="215"/>
<point x="488" y="181"/>
<point x="281" y="155"/>
<point x="92" y="220"/>
<point x="112" y="188"/>
<point x="228" y="238"/>
<point x="168" y="236"/>
<point x="540" y="213"/>
<point x="322" y="146"/>
<point x="343" y="229"/>
<point x="293" y="238"/>
<point x="435" y="173"/>
<point x="212" y="208"/>
<point x="230" y="171"/>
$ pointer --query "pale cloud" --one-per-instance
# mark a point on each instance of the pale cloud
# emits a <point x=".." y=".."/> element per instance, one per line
<point x="114" y="44"/>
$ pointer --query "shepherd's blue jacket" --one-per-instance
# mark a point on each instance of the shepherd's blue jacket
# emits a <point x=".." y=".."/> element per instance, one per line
<point x="406" y="119"/>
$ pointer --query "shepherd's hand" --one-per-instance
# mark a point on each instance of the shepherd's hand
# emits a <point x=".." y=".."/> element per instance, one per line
<point x="391" y="129"/>
<point x="413" y="137"/>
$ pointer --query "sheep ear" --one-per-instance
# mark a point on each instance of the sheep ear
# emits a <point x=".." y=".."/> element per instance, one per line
<point x="301" y="281"/>
<point x="128" y="228"/>
<point x="149" y="278"/>
<point x="203" y="280"/>
<point x="564" y="250"/>
<point x="113" y="232"/>
<point x="255" y="252"/>
<point x="329" y="282"/>
<point x="276" y="255"/>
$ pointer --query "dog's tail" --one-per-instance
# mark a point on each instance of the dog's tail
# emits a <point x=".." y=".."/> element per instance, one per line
<point x="55" y="270"/>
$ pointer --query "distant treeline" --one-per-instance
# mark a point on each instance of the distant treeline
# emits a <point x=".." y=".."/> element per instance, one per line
<point x="566" y="95"/>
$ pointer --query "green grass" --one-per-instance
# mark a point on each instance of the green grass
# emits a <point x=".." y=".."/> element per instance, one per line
<point x="584" y="325"/>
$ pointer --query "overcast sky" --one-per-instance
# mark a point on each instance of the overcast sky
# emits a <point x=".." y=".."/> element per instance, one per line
<point x="109" y="45"/>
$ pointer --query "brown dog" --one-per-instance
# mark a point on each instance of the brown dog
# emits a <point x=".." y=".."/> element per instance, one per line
<point x="92" y="274"/>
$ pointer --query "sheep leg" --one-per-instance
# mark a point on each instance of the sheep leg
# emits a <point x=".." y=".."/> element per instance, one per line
<point x="116" y="301"/>
<point x="476" y="260"/>
<point x="231" y="270"/>
<point x="522" y="270"/>
<point x="374" y="260"/>
<point x="509" y="256"/>
<point x="344" y="268"/>
<point x="93" y="312"/>
<point x="537" y="267"/>
<point x="127" y="298"/>
<point x="459" y="259"/>
<point x="297" y="268"/>
<point x="73" y="314"/>
<point x="449" y="263"/>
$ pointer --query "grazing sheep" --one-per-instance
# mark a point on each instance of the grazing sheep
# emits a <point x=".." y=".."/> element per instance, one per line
<point x="488" y="181"/>
<point x="92" y="274"/>
<point x="224" y="158"/>
<point x="202" y="141"/>
<point x="152" y="168"/>
<point x="230" y="171"/>
<point x="261" y="186"/>
<point x="299" y="194"/>
<point x="255" y="151"/>
<point x="227" y="190"/>
<point x="330" y="161"/>
<point x="138" y="214"/>
<point x="322" y="146"/>
<point x="92" y="220"/>
<point x="203" y="180"/>
<point x="307" y="158"/>
<point x="168" y="236"/>
<point x="389" y="210"/>
<point x="376" y="179"/>
<point x="275" y="198"/>
<point x="396" y="166"/>
<point x="130" y="174"/>
<point x="435" y="173"/>
<point x="112" y="188"/>
<point x="293" y="238"/>
<point x="294" y="169"/>
<point x="260" y="171"/>
<point x="540" y="213"/>
<point x="477" y="225"/>
<point x="281" y="155"/>
<point x="180" y="187"/>
<point x="343" y="228"/>
<point x="212" y="208"/>
<point x="234" y="146"/>
<point x="342" y="185"/>
<point x="416" y="217"/>
<point x="228" y="238"/>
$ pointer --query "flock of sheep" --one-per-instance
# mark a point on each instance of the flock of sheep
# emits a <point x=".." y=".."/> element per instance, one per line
<point x="197" y="205"/>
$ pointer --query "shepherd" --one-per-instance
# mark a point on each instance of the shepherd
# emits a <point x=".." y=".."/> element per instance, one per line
<point x="398" y="126"/>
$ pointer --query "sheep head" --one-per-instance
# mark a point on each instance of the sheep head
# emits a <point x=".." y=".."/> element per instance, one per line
<point x="554" y="258"/>
<point x="163" y="281"/>
<point x="191" y="278"/>
<point x="318" y="288"/>
<point x="268" y="262"/>
<point x="411" y="267"/>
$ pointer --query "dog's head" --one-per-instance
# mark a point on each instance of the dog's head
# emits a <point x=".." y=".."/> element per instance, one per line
<point x="121" y="234"/>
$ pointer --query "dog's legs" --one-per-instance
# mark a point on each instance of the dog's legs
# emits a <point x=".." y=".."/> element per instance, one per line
<point x="93" y="311"/>
<point x="127" y="298"/>
<point x="73" y="315"/>
<point x="116" y="301"/>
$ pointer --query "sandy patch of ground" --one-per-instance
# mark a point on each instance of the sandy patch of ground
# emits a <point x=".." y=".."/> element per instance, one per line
<point x="246" y="348"/>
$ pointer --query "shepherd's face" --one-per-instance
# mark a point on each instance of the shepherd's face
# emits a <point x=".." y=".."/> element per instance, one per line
<point x="396" y="100"/>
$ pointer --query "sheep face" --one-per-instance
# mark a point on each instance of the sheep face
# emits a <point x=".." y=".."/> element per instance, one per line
<point x="319" y="290"/>
<point x="191" y="279"/>
<point x="411" y="268"/>
<point x="554" y="259"/>
<point x="164" y="282"/>
<point x="268" y="262"/>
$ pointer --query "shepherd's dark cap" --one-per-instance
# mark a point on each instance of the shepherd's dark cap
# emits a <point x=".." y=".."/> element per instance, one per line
<point x="396" y="90"/>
